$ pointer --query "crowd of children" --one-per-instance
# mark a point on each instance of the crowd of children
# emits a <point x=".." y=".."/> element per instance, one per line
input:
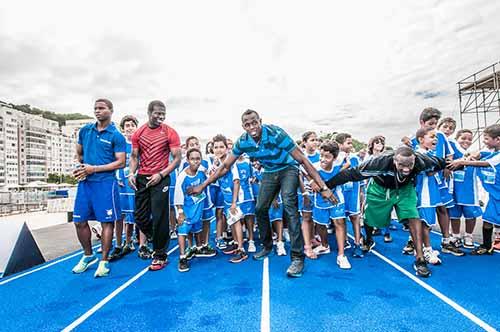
<point x="444" y="197"/>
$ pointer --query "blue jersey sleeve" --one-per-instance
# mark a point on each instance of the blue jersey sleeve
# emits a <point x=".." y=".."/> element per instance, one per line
<point x="120" y="144"/>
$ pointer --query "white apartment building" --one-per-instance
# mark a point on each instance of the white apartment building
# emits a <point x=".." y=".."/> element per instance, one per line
<point x="9" y="161"/>
<point x="72" y="127"/>
<point x="32" y="147"/>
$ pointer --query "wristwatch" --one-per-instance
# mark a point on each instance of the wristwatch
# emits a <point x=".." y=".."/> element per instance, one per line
<point x="323" y="189"/>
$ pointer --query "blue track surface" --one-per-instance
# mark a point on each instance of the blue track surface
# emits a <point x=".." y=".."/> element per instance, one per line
<point x="219" y="296"/>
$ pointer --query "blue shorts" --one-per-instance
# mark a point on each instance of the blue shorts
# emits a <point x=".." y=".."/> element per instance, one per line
<point x="492" y="212"/>
<point x="248" y="208"/>
<point x="127" y="205"/>
<point x="446" y="198"/>
<point x="427" y="215"/>
<point x="352" y="202"/>
<point x="323" y="216"/>
<point x="185" y="228"/>
<point x="466" y="211"/>
<point x="97" y="201"/>
<point x="216" y="197"/>
<point x="276" y="214"/>
<point x="305" y="208"/>
<point x="208" y="214"/>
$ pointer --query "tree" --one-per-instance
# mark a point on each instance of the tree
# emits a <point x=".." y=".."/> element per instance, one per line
<point x="357" y="145"/>
<point x="61" y="178"/>
<point x="59" y="117"/>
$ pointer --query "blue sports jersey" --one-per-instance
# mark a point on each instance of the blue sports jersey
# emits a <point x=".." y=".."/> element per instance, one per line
<point x="226" y="184"/>
<point x="428" y="187"/>
<point x="313" y="158"/>
<point x="257" y="175"/>
<point x="192" y="205"/>
<point x="122" y="174"/>
<point x="205" y="164"/>
<point x="245" y="174"/>
<point x="351" y="186"/>
<point x="489" y="176"/>
<point x="443" y="147"/>
<point x="319" y="201"/>
<point x="465" y="187"/>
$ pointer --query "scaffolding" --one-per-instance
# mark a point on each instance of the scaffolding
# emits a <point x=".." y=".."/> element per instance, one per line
<point x="479" y="97"/>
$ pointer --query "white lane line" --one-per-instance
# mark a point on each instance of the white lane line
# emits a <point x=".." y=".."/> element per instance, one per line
<point x="43" y="267"/>
<point x="108" y="298"/>
<point x="436" y="293"/>
<point x="265" y="324"/>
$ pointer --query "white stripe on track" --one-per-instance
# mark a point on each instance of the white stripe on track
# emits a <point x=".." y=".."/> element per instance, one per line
<point x="108" y="298"/>
<point x="43" y="267"/>
<point x="265" y="325"/>
<point x="436" y="293"/>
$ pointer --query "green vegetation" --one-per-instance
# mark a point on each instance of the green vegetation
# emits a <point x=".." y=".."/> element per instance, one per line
<point x="358" y="145"/>
<point x="59" y="178"/>
<point x="60" y="118"/>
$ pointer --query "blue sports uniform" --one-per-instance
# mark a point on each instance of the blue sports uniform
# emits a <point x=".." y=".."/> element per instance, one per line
<point x="127" y="194"/>
<point x="465" y="188"/>
<point x="226" y="184"/>
<point x="443" y="149"/>
<point x="428" y="194"/>
<point x="97" y="196"/>
<point x="491" y="183"/>
<point x="313" y="158"/>
<point x="324" y="210"/>
<point x="246" y="196"/>
<point x="193" y="206"/>
<point x="276" y="213"/>
<point x="257" y="179"/>
<point x="352" y="199"/>
<point x="215" y="192"/>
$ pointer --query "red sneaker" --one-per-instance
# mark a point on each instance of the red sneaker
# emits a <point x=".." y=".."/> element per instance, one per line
<point x="157" y="264"/>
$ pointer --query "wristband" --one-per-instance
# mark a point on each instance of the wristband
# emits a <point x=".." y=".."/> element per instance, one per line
<point x="161" y="175"/>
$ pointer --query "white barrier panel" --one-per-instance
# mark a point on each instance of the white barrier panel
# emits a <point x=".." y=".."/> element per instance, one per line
<point x="18" y="248"/>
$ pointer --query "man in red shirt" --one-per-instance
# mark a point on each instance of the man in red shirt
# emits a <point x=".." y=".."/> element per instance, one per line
<point x="152" y="145"/>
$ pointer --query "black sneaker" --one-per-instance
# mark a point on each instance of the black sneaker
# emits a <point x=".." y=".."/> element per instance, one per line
<point x="183" y="265"/>
<point x="451" y="248"/>
<point x="240" y="256"/>
<point x="421" y="268"/>
<point x="409" y="248"/>
<point x="482" y="250"/>
<point x="231" y="249"/>
<point x="206" y="251"/>
<point x="144" y="252"/>
<point x="368" y="245"/>
<point x="127" y="249"/>
<point x="263" y="253"/>
<point x="116" y="253"/>
<point x="406" y="227"/>
<point x="190" y="253"/>
<point x="377" y="231"/>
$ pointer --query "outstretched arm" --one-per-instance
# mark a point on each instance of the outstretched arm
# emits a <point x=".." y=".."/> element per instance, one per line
<point x="221" y="171"/>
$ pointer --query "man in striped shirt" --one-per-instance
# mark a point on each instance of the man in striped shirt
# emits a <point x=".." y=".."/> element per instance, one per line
<point x="151" y="146"/>
<point x="280" y="158"/>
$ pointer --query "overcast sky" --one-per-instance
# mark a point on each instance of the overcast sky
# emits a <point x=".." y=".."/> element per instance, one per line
<point x="365" y="67"/>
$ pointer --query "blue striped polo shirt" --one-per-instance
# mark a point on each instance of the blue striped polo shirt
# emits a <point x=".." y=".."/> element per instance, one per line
<point x="273" y="150"/>
<point x="99" y="148"/>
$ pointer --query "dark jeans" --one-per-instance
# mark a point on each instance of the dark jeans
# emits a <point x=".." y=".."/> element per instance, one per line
<point x="286" y="180"/>
<point x="152" y="211"/>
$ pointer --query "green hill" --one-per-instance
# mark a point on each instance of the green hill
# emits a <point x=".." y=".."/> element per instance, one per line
<point x="59" y="117"/>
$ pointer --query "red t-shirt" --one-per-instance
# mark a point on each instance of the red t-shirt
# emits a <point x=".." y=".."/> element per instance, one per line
<point x="154" y="147"/>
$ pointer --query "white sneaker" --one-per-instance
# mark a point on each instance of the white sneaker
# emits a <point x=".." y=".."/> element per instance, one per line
<point x="320" y="250"/>
<point x="468" y="241"/>
<point x="251" y="246"/>
<point x="431" y="257"/>
<point x="286" y="235"/>
<point x="280" y="248"/>
<point x="343" y="262"/>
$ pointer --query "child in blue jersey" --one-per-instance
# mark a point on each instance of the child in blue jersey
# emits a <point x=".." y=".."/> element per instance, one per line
<point x="189" y="208"/>
<point x="128" y="125"/>
<point x="353" y="193"/>
<point x="230" y="187"/>
<point x="276" y="218"/>
<point x="465" y="190"/>
<point x="324" y="210"/>
<point x="488" y="173"/>
<point x="192" y="142"/>
<point x="429" y="118"/>
<point x="246" y="198"/>
<point x="428" y="193"/>
<point x="310" y="143"/>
